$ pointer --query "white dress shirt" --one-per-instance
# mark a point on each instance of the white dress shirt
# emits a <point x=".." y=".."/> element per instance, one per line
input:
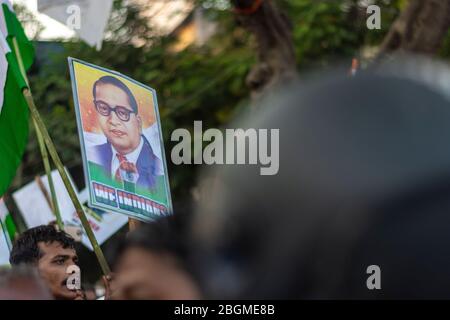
<point x="131" y="157"/>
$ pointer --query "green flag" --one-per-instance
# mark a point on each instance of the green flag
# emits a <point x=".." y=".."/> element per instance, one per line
<point x="13" y="107"/>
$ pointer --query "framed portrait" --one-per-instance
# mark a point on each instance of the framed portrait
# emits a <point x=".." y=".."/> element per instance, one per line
<point x="121" y="142"/>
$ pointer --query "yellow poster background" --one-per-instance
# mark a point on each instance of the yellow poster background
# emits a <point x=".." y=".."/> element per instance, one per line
<point x="86" y="77"/>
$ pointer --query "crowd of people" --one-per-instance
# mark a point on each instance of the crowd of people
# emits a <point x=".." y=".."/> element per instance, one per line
<point x="364" y="180"/>
<point x="44" y="254"/>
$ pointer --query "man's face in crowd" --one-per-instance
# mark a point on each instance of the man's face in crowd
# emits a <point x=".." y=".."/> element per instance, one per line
<point x="123" y="135"/>
<point x="52" y="267"/>
<point x="143" y="275"/>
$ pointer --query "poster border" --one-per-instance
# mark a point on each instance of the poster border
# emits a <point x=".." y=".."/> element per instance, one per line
<point x="80" y="128"/>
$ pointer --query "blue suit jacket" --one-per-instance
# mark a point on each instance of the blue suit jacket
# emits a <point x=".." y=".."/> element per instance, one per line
<point x="146" y="163"/>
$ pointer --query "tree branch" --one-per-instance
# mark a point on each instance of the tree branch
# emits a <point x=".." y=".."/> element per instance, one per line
<point x="420" y="28"/>
<point x="275" y="47"/>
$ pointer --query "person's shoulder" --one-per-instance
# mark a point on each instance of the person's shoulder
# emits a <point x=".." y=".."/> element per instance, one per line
<point x="147" y="144"/>
<point x="149" y="159"/>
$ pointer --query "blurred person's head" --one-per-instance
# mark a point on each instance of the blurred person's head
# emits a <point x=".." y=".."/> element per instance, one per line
<point x="118" y="114"/>
<point x="22" y="283"/>
<point x="364" y="179"/>
<point x="151" y="263"/>
<point x="52" y="252"/>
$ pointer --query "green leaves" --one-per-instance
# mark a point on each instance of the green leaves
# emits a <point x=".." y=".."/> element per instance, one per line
<point x="199" y="83"/>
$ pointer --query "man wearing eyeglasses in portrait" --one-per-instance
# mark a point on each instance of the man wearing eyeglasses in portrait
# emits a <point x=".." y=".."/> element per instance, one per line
<point x="127" y="155"/>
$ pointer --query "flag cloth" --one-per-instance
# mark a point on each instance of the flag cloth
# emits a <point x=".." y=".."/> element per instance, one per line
<point x="4" y="249"/>
<point x="7" y="233"/>
<point x="87" y="18"/>
<point x="7" y="223"/>
<point x="13" y="109"/>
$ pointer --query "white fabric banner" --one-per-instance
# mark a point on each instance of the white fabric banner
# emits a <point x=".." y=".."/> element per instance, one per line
<point x="4" y="248"/>
<point x="35" y="210"/>
<point x="2" y="17"/>
<point x="4" y="49"/>
<point x="87" y="18"/>
<point x="3" y="210"/>
<point x="4" y="237"/>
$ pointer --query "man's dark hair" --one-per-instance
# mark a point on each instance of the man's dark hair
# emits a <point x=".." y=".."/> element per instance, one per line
<point x="26" y="249"/>
<point x="119" y="84"/>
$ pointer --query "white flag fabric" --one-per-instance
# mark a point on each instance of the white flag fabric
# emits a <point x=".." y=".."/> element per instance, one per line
<point x="3" y="210"/>
<point x="87" y="18"/>
<point x="4" y="248"/>
<point x="5" y="242"/>
<point x="4" y="49"/>
<point x="2" y="17"/>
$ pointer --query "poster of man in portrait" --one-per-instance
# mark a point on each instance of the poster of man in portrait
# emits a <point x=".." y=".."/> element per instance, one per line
<point x="121" y="142"/>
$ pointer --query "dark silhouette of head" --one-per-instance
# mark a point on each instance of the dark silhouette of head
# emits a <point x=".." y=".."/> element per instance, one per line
<point x="153" y="262"/>
<point x="364" y="179"/>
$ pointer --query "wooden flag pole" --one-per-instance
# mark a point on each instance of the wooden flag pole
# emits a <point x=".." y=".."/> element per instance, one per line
<point x="43" y="150"/>
<point x="48" y="172"/>
<point x="44" y="191"/>
<point x="41" y="129"/>
<point x="73" y="196"/>
<point x="133" y="224"/>
<point x="47" y="197"/>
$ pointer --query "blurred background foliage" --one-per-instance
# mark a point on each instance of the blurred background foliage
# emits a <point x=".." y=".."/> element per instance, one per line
<point x="198" y="83"/>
